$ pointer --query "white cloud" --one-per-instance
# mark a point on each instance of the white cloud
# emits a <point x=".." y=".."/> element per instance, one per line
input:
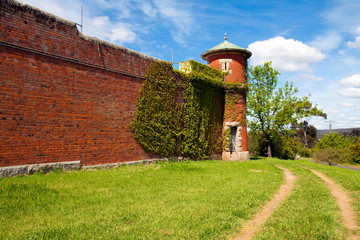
<point x="352" y="81"/>
<point x="180" y="17"/>
<point x="103" y="28"/>
<point x="99" y="26"/>
<point x="351" y="92"/>
<point x="70" y="12"/>
<point x="101" y="21"/>
<point x="354" y="86"/>
<point x="148" y="9"/>
<point x="344" y="104"/>
<point x="353" y="118"/>
<point x="122" y="34"/>
<point x="311" y="77"/>
<point x="343" y="14"/>
<point x="123" y="21"/>
<point x="356" y="43"/>
<point x="285" y="54"/>
<point x="327" y="42"/>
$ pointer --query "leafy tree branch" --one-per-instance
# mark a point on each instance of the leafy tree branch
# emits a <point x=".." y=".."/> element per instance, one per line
<point x="272" y="109"/>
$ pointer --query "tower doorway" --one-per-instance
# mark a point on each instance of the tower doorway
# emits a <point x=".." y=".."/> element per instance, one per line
<point x="233" y="131"/>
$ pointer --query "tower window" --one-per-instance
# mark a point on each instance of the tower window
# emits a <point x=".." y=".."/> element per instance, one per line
<point x="225" y="64"/>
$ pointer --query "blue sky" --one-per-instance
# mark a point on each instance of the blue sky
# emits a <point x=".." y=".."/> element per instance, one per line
<point x="315" y="44"/>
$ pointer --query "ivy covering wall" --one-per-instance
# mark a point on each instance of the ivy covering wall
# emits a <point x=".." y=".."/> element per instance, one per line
<point x="181" y="114"/>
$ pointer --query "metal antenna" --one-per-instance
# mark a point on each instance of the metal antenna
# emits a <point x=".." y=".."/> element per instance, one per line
<point x="330" y="125"/>
<point x="81" y="25"/>
<point x="81" y="18"/>
<point x="172" y="56"/>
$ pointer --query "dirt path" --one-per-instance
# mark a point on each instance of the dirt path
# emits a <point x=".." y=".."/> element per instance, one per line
<point x="343" y="200"/>
<point x="250" y="228"/>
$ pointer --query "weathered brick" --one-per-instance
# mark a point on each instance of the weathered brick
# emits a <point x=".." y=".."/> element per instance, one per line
<point x="64" y="96"/>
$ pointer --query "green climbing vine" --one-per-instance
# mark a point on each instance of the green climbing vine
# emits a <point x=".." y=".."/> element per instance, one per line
<point x="157" y="123"/>
<point x="180" y="114"/>
<point x="236" y="87"/>
<point x="234" y="109"/>
<point x="227" y="139"/>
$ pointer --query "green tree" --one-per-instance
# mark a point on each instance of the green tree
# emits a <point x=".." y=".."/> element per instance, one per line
<point x="272" y="109"/>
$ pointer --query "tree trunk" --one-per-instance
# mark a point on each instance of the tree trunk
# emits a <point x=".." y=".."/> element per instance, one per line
<point x="269" y="151"/>
<point x="306" y="142"/>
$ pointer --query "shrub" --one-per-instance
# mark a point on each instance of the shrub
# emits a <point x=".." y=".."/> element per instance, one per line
<point x="288" y="150"/>
<point x="284" y="147"/>
<point x="355" y="149"/>
<point x="333" y="155"/>
<point x="301" y="149"/>
<point x="335" y="148"/>
<point x="333" y="140"/>
<point x="256" y="144"/>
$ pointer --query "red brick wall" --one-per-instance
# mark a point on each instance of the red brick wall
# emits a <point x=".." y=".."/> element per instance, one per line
<point x="63" y="96"/>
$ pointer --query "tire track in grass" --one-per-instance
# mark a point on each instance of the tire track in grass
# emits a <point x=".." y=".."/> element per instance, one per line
<point x="252" y="227"/>
<point x="343" y="200"/>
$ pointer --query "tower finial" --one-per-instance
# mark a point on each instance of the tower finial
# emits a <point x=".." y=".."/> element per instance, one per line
<point x="225" y="37"/>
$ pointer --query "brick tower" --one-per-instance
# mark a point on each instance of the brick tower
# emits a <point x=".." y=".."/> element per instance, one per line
<point x="232" y="59"/>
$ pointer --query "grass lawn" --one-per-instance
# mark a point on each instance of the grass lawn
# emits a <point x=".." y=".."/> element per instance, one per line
<point x="349" y="179"/>
<point x="310" y="212"/>
<point x="187" y="200"/>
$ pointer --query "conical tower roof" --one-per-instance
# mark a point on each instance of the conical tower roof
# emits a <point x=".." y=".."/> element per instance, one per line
<point x="225" y="46"/>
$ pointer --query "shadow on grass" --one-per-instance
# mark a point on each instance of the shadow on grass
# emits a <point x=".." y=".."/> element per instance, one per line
<point x="256" y="158"/>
